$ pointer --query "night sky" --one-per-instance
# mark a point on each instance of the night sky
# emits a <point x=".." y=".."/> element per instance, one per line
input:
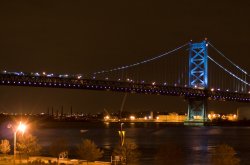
<point x="88" y="36"/>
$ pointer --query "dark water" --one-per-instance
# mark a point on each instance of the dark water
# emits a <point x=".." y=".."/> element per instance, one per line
<point x="195" y="142"/>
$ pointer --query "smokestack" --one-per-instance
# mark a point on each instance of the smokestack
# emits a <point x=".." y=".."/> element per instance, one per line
<point x="71" y="112"/>
<point x="48" y="111"/>
<point x="62" y="112"/>
<point x="52" y="112"/>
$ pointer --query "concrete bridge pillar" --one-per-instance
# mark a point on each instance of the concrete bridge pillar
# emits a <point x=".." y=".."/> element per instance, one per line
<point x="197" y="111"/>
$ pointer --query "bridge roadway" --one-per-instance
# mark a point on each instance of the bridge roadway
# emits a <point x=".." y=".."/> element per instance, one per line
<point x="117" y="86"/>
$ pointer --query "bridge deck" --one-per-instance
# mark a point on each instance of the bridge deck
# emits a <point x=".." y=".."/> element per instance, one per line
<point x="117" y="86"/>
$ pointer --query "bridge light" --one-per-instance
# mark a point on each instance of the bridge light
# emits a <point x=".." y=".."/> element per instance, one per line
<point x="50" y="75"/>
<point x="44" y="73"/>
<point x="153" y="83"/>
<point x="227" y="90"/>
<point x="218" y="89"/>
<point x="212" y="89"/>
<point x="37" y="74"/>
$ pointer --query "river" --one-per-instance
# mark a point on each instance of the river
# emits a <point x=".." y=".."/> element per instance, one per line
<point x="196" y="143"/>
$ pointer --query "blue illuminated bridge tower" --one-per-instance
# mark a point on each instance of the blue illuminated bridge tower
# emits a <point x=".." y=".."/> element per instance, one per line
<point x="198" y="78"/>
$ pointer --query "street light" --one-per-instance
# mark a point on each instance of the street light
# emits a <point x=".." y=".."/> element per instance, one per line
<point x="121" y="132"/>
<point x="20" y="128"/>
<point x="122" y="135"/>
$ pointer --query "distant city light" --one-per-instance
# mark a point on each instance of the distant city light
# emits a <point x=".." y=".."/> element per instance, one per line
<point x="106" y="117"/>
<point x="132" y="117"/>
<point x="230" y="117"/>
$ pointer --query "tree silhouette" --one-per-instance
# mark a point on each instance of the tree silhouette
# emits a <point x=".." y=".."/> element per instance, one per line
<point x="5" y="146"/>
<point x="89" y="151"/>
<point x="129" y="152"/>
<point x="28" y="145"/>
<point x="224" y="155"/>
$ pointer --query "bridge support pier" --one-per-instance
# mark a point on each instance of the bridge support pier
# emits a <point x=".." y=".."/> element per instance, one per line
<point x="197" y="111"/>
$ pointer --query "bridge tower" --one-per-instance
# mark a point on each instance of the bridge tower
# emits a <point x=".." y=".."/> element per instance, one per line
<point x="198" y="78"/>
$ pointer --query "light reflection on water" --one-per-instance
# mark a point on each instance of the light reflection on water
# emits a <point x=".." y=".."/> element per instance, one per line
<point x="196" y="142"/>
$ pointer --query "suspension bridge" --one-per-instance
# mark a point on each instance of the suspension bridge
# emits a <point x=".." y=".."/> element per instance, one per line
<point x="187" y="71"/>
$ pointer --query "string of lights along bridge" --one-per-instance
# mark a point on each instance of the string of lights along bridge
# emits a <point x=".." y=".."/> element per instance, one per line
<point x="188" y="71"/>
